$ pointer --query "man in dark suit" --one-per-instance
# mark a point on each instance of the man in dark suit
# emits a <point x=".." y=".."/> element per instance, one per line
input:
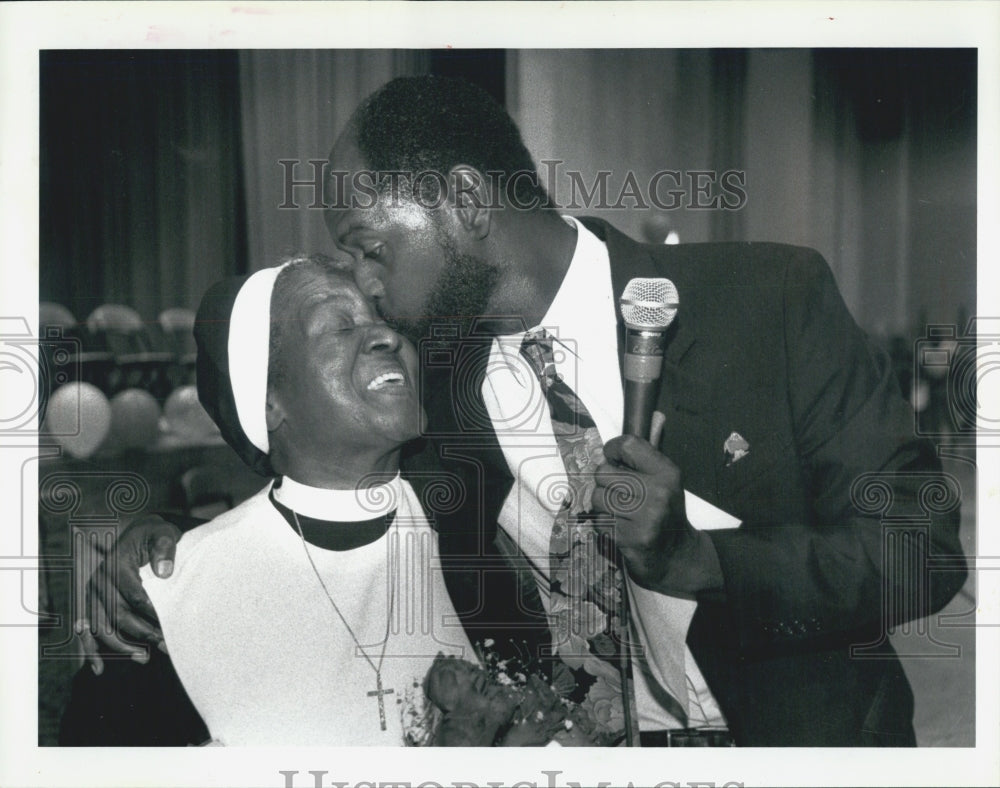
<point x="793" y="643"/>
<point x="777" y="414"/>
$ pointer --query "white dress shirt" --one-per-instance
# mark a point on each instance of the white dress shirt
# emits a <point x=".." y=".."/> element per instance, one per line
<point x="670" y="690"/>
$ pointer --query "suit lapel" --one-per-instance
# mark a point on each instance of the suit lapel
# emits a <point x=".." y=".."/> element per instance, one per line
<point x="628" y="261"/>
<point x="459" y="426"/>
<point x="685" y="396"/>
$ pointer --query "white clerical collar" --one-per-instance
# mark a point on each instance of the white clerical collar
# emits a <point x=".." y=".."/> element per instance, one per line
<point x="339" y="505"/>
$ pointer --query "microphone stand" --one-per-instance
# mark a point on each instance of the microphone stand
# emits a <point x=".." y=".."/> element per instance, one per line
<point x="653" y="428"/>
<point x="625" y="651"/>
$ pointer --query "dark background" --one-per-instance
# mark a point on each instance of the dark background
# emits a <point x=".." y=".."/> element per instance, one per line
<point x="159" y="169"/>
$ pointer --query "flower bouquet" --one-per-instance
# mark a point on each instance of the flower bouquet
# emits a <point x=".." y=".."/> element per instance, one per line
<point x="492" y="704"/>
<point x="590" y="700"/>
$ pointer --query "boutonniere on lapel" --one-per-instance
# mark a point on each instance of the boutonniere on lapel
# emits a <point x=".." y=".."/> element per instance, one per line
<point x="736" y="448"/>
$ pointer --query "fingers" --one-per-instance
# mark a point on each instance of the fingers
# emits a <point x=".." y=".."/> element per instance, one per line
<point x="91" y="653"/>
<point x="123" y="597"/>
<point x="136" y="628"/>
<point x="162" y="547"/>
<point x="599" y="499"/>
<point x="628" y="494"/>
<point x="121" y="611"/>
<point x="131" y="597"/>
<point x="131" y="614"/>
<point x="97" y="631"/>
<point x="110" y="633"/>
<point x="117" y="609"/>
<point x="635" y="478"/>
<point x="635" y="453"/>
<point x="149" y="540"/>
<point x="656" y="427"/>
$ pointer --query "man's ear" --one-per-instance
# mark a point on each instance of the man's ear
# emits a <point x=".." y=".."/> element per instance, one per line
<point x="274" y="412"/>
<point x="471" y="199"/>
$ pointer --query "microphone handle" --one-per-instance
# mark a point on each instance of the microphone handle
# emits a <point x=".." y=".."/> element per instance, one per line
<point x="643" y="367"/>
<point x="640" y="402"/>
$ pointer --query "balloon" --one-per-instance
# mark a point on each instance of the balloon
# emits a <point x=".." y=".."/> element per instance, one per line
<point x="135" y="421"/>
<point x="78" y="417"/>
<point x="185" y="416"/>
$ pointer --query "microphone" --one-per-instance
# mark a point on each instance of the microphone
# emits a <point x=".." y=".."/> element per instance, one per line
<point x="648" y="307"/>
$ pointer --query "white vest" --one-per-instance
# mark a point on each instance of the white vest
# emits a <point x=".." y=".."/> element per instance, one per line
<point x="259" y="648"/>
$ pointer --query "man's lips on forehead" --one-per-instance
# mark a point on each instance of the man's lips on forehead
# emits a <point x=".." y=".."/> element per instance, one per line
<point x="382" y="311"/>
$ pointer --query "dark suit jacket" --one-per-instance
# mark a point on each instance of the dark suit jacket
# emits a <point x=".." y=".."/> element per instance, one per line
<point x="841" y="504"/>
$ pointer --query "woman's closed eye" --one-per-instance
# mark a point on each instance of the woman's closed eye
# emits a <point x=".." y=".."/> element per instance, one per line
<point x="325" y="320"/>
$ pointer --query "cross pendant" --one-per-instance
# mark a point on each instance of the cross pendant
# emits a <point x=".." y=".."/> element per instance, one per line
<point x="380" y="692"/>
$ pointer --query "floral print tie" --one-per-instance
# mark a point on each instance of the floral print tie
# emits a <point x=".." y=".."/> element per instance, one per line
<point x="587" y="604"/>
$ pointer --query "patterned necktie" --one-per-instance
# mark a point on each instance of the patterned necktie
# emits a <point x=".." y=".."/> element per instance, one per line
<point x="587" y="603"/>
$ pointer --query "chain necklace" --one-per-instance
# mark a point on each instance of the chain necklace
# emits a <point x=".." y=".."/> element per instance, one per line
<point x="378" y="692"/>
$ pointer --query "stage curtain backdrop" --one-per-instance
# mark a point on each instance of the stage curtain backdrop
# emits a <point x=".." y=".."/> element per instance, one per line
<point x="141" y="184"/>
<point x="868" y="156"/>
<point x="294" y="103"/>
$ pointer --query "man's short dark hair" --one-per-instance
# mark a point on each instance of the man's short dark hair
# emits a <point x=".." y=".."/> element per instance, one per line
<point x="431" y="124"/>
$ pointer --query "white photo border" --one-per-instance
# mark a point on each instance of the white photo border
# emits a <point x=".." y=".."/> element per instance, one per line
<point x="27" y="28"/>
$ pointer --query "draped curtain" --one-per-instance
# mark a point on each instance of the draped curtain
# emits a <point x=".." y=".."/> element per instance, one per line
<point x="160" y="169"/>
<point x="294" y="103"/>
<point x="141" y="185"/>
<point x="868" y="156"/>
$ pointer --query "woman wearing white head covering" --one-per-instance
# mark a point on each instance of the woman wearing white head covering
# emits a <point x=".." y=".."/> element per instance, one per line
<point x="306" y="614"/>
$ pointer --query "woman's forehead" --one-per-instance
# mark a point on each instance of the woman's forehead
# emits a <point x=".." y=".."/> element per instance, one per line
<point x="309" y="279"/>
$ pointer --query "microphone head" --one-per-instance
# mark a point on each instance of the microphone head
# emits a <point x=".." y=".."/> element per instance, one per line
<point x="649" y="304"/>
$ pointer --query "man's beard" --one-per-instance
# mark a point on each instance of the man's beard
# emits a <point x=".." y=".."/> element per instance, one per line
<point x="461" y="294"/>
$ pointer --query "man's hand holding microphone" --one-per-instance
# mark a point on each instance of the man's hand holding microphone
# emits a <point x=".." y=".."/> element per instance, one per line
<point x="640" y="486"/>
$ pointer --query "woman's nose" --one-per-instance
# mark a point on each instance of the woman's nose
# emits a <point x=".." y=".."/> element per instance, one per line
<point x="381" y="338"/>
